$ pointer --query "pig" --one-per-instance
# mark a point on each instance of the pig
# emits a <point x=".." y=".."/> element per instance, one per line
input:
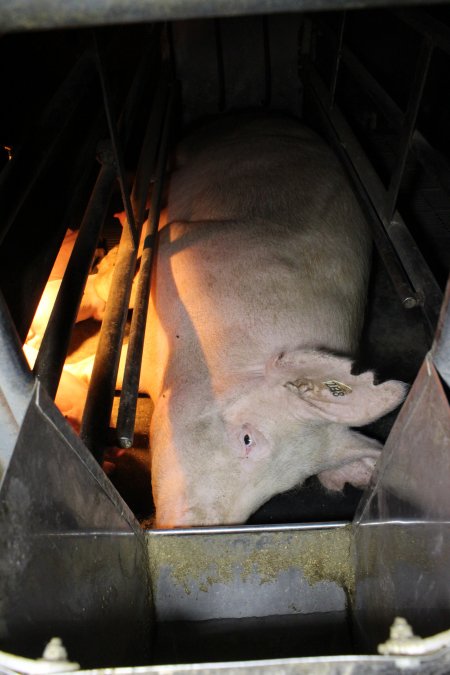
<point x="256" y="309"/>
<point x="93" y="302"/>
<point x="72" y="390"/>
<point x="105" y="269"/>
<point x="71" y="397"/>
<point x="92" y="306"/>
<point x="64" y="253"/>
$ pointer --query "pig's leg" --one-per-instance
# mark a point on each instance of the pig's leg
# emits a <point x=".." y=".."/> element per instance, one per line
<point x="71" y="398"/>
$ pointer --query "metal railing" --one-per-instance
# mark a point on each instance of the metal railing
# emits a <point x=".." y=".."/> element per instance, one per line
<point x="411" y="276"/>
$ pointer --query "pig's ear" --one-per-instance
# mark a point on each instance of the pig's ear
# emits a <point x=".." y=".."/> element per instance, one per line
<point x="324" y="387"/>
<point x="352" y="459"/>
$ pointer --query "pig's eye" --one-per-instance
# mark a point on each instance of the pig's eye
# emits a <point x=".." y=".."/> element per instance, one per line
<point x="247" y="440"/>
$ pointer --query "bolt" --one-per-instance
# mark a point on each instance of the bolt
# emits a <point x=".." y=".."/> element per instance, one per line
<point x="55" y="650"/>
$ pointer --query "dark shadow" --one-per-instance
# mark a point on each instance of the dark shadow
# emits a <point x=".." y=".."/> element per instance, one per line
<point x="267" y="637"/>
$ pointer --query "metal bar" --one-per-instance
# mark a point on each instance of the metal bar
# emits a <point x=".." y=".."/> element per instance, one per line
<point x="409" y="124"/>
<point x="335" y="128"/>
<point x="172" y="53"/>
<point x="441" y="346"/>
<point x="41" y="145"/>
<point x="100" y="396"/>
<point x="79" y="196"/>
<point x="147" y="159"/>
<point x="73" y="214"/>
<point x="130" y="387"/>
<point x="116" y="144"/>
<point x="337" y="61"/>
<point x="246" y="529"/>
<point x="381" y="98"/>
<point x="425" y="24"/>
<point x="16" y="387"/>
<point x="16" y="15"/>
<point x="267" y="62"/>
<point x="143" y="77"/>
<point x="432" y="160"/>
<point x="53" y="350"/>
<point x="16" y="382"/>
<point x="55" y="343"/>
<point x="220" y="65"/>
<point x="417" y="286"/>
<point x="86" y="175"/>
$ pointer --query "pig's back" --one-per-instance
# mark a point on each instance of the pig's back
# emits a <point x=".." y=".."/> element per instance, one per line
<point x="265" y="250"/>
<point x="250" y="168"/>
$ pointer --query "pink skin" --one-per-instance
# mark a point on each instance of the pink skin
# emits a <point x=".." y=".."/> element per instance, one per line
<point x="258" y="293"/>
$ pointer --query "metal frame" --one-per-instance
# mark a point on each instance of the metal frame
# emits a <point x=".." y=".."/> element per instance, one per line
<point x="130" y="385"/>
<point x="65" y="515"/>
<point x="72" y="555"/>
<point x="53" y="350"/>
<point x="401" y="527"/>
<point x="39" y="146"/>
<point x="19" y="15"/>
<point x="410" y="274"/>
<point x="102" y="385"/>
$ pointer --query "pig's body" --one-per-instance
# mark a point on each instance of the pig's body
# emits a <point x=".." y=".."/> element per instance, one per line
<point x="260" y="278"/>
<point x="92" y="306"/>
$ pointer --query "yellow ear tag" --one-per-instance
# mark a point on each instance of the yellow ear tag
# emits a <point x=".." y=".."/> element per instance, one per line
<point x="338" y="388"/>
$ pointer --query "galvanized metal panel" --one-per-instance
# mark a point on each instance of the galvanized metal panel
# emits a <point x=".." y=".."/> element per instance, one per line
<point x="72" y="560"/>
<point x="402" y="542"/>
<point x="28" y="14"/>
<point x="250" y="572"/>
<point x="340" y="665"/>
<point x="441" y="346"/>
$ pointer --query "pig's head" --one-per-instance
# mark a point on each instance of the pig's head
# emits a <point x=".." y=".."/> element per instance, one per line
<point x="218" y="463"/>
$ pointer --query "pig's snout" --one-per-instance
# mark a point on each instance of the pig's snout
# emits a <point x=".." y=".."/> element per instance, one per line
<point x="182" y="517"/>
<point x="178" y="513"/>
<point x="174" y="509"/>
<point x="174" y="514"/>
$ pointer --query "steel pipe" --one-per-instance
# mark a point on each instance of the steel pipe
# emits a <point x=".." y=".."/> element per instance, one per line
<point x="40" y="146"/>
<point x="18" y="15"/>
<point x="410" y="274"/>
<point x="409" y="123"/>
<point x="116" y="144"/>
<point x="100" y="396"/>
<point x="441" y="346"/>
<point x="130" y="386"/>
<point x="430" y="158"/>
<point x="55" y="343"/>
